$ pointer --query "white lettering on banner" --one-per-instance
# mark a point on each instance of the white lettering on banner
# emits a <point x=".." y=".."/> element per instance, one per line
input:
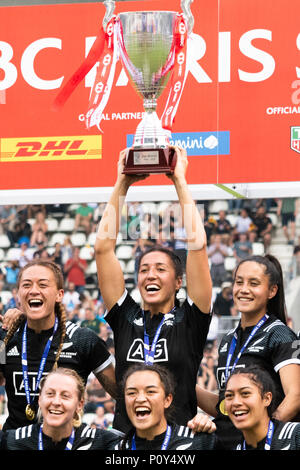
<point x="284" y="109"/>
<point x="9" y="69"/>
<point x="224" y="64"/>
<point x="258" y="55"/>
<point x="197" y="51"/>
<point x="298" y="47"/>
<point x="27" y="64"/>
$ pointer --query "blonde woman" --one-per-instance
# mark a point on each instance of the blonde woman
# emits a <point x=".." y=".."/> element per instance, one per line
<point x="61" y="402"/>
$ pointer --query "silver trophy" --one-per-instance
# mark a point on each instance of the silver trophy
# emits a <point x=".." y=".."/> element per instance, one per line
<point x="145" y="42"/>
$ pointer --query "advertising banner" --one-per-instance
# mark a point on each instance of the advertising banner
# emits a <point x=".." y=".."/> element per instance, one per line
<point x="238" y="118"/>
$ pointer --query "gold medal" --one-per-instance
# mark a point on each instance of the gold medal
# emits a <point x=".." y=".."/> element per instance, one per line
<point x="29" y="412"/>
<point x="222" y="408"/>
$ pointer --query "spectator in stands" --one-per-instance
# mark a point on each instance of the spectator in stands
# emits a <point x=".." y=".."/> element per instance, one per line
<point x="209" y="226"/>
<point x="71" y="297"/>
<point x="12" y="269"/>
<point x="223" y="304"/>
<point x="207" y="374"/>
<point x="100" y="421"/>
<point x="39" y="230"/>
<point x="242" y="248"/>
<point x="98" y="212"/>
<point x="91" y="321"/>
<point x="66" y="250"/>
<point x="262" y="337"/>
<point x="25" y="255"/>
<point x="243" y="222"/>
<point x="75" y="269"/>
<point x="96" y="395"/>
<point x="56" y="256"/>
<point x="21" y="231"/>
<point x="32" y="210"/>
<point x="223" y="227"/>
<point x="287" y="209"/>
<point x="140" y="246"/>
<point x="294" y="267"/>
<point x="13" y="301"/>
<point x="224" y="307"/>
<point x="159" y="279"/>
<point x="74" y="315"/>
<point x="84" y="218"/>
<point x="217" y="253"/>
<point x="262" y="230"/>
<point x="7" y="221"/>
<point x="180" y="241"/>
<point x="41" y="252"/>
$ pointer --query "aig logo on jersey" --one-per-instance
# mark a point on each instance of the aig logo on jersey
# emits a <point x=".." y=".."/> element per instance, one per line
<point x="136" y="351"/>
<point x="19" y="383"/>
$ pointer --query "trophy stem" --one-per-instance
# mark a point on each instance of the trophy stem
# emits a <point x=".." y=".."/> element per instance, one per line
<point x="150" y="105"/>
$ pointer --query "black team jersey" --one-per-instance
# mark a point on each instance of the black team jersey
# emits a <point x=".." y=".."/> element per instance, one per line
<point x="286" y="437"/>
<point x="274" y="346"/>
<point x="82" y="351"/>
<point x="182" y="438"/>
<point x="179" y="348"/>
<point x="86" y="438"/>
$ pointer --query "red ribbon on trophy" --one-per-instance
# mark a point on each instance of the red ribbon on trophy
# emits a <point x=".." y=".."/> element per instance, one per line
<point x="178" y="77"/>
<point x="81" y="72"/>
<point x="104" y="78"/>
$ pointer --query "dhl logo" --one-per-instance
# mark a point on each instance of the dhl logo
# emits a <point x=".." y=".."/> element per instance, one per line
<point x="39" y="149"/>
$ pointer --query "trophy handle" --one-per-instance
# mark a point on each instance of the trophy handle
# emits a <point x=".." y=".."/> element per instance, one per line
<point x="185" y="5"/>
<point x="110" y="7"/>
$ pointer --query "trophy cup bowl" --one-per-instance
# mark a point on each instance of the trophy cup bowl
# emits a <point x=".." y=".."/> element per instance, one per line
<point x="146" y="42"/>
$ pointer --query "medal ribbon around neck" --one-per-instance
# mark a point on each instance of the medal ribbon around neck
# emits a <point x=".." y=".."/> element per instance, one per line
<point x="269" y="437"/>
<point x="69" y="444"/>
<point x="149" y="353"/>
<point x="164" y="445"/>
<point x="41" y="366"/>
<point x="234" y="342"/>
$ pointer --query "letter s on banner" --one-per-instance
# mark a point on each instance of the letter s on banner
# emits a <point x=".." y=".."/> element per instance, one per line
<point x="256" y="54"/>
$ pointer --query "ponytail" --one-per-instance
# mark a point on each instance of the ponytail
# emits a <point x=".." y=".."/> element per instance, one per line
<point x="60" y="312"/>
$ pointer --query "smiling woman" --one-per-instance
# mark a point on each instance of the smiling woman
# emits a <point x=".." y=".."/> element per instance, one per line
<point x="249" y="399"/>
<point x="41" y="338"/>
<point x="261" y="338"/>
<point x="61" y="401"/>
<point x="160" y="329"/>
<point x="148" y="393"/>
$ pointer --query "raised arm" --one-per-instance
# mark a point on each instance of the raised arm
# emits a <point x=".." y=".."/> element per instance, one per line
<point x="110" y="274"/>
<point x="199" y="284"/>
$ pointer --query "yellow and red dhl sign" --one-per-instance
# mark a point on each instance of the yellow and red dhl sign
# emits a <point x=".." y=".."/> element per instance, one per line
<point x="37" y="149"/>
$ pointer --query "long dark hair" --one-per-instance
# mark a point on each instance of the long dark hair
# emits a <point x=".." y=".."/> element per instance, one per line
<point x="262" y="379"/>
<point x="168" y="384"/>
<point x="276" y="305"/>
<point x="173" y="257"/>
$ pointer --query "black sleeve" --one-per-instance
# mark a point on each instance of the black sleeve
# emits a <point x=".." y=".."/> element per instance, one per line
<point x="92" y="350"/>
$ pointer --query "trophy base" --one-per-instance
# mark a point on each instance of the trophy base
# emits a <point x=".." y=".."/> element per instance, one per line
<point x="150" y="161"/>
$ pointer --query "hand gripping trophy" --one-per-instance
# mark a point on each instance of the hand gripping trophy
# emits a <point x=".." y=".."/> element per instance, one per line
<point x="152" y="46"/>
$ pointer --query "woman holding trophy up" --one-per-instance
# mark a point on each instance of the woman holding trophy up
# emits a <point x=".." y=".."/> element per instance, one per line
<point x="160" y="330"/>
